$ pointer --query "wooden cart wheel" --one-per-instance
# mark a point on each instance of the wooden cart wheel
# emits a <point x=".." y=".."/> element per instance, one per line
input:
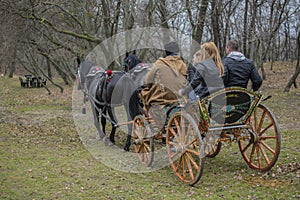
<point x="143" y="140"/>
<point x="185" y="147"/>
<point x="212" y="145"/>
<point x="193" y="109"/>
<point x="261" y="151"/>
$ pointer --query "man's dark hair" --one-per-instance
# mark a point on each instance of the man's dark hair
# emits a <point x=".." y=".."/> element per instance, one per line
<point x="233" y="44"/>
<point x="171" y="48"/>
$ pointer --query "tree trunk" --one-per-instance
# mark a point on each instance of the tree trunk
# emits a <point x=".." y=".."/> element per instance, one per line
<point x="297" y="71"/>
<point x="49" y="68"/>
<point x="293" y="79"/>
<point x="198" y="29"/>
<point x="12" y="67"/>
<point x="215" y="22"/>
<point x="246" y="31"/>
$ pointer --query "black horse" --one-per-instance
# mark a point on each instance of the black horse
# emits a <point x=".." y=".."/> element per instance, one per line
<point x="136" y="68"/>
<point x="108" y="89"/>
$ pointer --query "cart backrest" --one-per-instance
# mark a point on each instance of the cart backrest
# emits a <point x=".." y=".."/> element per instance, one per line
<point x="229" y="106"/>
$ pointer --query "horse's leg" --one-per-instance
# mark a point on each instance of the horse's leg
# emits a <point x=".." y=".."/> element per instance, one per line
<point x="111" y="113"/>
<point x="103" y="119"/>
<point x="83" y="110"/>
<point x="96" y="120"/>
<point x="129" y="126"/>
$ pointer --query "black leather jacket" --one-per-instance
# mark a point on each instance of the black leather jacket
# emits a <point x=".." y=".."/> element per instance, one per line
<point x="191" y="72"/>
<point x="205" y="80"/>
<point x="239" y="70"/>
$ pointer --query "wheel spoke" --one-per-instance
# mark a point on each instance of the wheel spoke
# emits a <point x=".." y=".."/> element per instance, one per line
<point x="143" y="157"/>
<point x="265" y="129"/>
<point x="139" y="150"/>
<point x="178" y="129"/>
<point x="262" y="118"/>
<point x="255" y="119"/>
<point x="182" y="128"/>
<point x="264" y="155"/>
<point x="191" y="142"/>
<point x="196" y="166"/>
<point x="193" y="152"/>
<point x="267" y="147"/>
<point x="183" y="167"/>
<point x="175" y="153"/>
<point x="267" y="137"/>
<point x="246" y="147"/>
<point x="146" y="148"/>
<point x="252" y="152"/>
<point x="187" y="134"/>
<point x="146" y="156"/>
<point x="258" y="156"/>
<point x="174" y="133"/>
<point x="189" y="166"/>
<point x="177" y="165"/>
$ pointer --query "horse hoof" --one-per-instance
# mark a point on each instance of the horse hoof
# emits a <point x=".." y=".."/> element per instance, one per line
<point x="83" y="111"/>
<point x="105" y="140"/>
<point x="110" y="143"/>
<point x="126" y="149"/>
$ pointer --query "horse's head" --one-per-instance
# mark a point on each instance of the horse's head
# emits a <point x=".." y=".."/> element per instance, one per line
<point x="130" y="62"/>
<point x="83" y="69"/>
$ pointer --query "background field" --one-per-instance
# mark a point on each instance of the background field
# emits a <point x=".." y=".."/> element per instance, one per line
<point x="42" y="156"/>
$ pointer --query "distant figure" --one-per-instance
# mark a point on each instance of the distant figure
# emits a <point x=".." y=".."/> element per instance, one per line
<point x="209" y="70"/>
<point x="238" y="69"/>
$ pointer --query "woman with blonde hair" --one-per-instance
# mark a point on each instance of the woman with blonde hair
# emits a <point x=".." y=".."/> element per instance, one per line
<point x="209" y="72"/>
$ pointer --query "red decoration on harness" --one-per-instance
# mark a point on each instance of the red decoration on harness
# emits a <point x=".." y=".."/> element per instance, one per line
<point x="109" y="72"/>
<point x="109" y="76"/>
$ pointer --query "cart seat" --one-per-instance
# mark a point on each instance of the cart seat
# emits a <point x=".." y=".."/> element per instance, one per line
<point x="230" y="106"/>
<point x="159" y="114"/>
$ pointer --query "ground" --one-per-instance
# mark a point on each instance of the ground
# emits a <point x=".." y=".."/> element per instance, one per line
<point x="42" y="155"/>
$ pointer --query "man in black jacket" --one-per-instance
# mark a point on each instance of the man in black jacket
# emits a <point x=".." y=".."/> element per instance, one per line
<point x="238" y="69"/>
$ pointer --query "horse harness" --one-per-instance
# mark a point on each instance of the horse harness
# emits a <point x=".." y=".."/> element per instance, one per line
<point x="105" y="76"/>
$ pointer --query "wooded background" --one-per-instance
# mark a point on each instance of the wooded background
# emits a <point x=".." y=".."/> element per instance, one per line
<point x="46" y="37"/>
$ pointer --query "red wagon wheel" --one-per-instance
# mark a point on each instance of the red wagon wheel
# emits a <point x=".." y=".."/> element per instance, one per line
<point x="261" y="151"/>
<point x="185" y="147"/>
<point x="143" y="140"/>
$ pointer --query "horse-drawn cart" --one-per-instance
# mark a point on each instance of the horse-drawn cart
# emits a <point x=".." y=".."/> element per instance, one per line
<point x="197" y="129"/>
<point x="191" y="131"/>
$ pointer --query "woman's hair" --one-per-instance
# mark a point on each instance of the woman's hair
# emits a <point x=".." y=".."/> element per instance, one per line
<point x="209" y="50"/>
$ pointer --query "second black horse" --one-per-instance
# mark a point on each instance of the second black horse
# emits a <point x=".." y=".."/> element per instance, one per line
<point x="108" y="89"/>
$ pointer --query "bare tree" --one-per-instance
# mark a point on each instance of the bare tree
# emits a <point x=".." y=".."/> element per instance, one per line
<point x="197" y="20"/>
<point x="57" y="31"/>
<point x="11" y="32"/>
<point x="292" y="81"/>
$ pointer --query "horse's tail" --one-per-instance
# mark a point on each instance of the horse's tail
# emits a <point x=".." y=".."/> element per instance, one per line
<point x="135" y="105"/>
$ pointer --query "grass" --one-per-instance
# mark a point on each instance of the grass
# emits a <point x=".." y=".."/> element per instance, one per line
<point x="42" y="156"/>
